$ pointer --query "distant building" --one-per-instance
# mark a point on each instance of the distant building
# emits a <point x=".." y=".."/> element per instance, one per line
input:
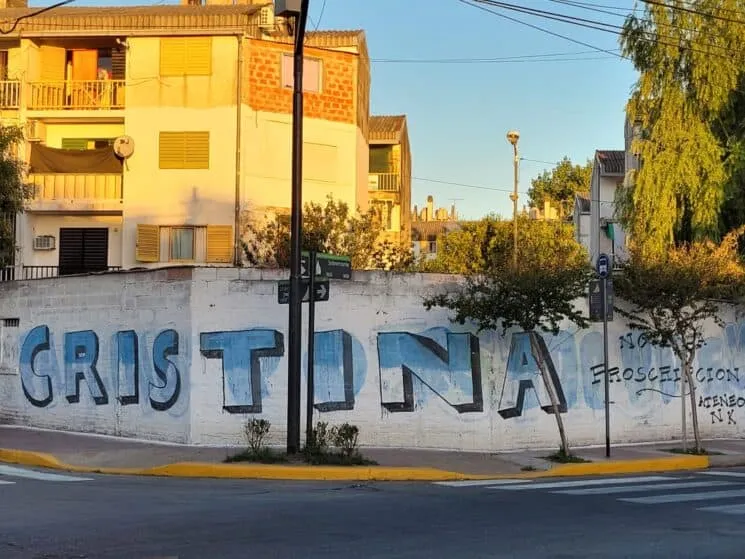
<point x="428" y="226"/>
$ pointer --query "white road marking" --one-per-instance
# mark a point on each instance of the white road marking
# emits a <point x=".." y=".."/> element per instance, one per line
<point x="725" y="509"/>
<point x="724" y="474"/>
<point x="41" y="476"/>
<point x="641" y="488"/>
<point x="683" y="497"/>
<point x="586" y="482"/>
<point x="6" y="482"/>
<point x="480" y="482"/>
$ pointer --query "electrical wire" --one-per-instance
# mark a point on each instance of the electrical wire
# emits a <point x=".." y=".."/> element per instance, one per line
<point x="545" y="57"/>
<point x="697" y="12"/>
<point x="320" y="16"/>
<point x="40" y="11"/>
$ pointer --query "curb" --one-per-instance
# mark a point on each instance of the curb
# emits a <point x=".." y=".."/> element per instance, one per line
<point x="347" y="473"/>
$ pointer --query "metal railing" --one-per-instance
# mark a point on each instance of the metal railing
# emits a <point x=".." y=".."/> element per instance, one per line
<point x="389" y="182"/>
<point x="10" y="94"/>
<point x="82" y="95"/>
<point x="11" y="273"/>
<point x="75" y="186"/>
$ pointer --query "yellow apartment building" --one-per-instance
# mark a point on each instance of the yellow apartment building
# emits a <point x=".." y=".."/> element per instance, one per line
<point x="390" y="176"/>
<point x="153" y="131"/>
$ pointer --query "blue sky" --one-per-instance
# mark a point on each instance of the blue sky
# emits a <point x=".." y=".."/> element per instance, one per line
<point x="459" y="113"/>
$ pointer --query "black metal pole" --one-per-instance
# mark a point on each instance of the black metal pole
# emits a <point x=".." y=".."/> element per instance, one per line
<point x="311" y="349"/>
<point x="296" y="234"/>
<point x="604" y="294"/>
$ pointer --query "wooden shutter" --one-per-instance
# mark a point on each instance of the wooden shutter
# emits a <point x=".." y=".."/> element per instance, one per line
<point x="220" y="244"/>
<point x="84" y="65"/>
<point x="184" y="150"/>
<point x="186" y="56"/>
<point x="199" y="56"/>
<point x="173" y="56"/>
<point x="52" y="64"/>
<point x="148" y="243"/>
<point x="75" y="143"/>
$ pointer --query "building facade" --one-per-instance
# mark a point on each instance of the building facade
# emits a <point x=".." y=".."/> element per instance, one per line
<point x="428" y="226"/>
<point x="389" y="178"/>
<point x="154" y="133"/>
<point x="606" y="234"/>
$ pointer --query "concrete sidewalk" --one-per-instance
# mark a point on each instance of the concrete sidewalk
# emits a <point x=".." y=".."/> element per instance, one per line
<point x="83" y="452"/>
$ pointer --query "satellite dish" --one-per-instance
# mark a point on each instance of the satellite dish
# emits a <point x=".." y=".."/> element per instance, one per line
<point x="124" y="147"/>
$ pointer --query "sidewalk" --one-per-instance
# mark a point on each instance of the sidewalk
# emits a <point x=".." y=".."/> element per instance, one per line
<point x="94" y="453"/>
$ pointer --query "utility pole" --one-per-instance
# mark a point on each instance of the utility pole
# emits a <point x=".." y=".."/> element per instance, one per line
<point x="299" y="10"/>
<point x="513" y="136"/>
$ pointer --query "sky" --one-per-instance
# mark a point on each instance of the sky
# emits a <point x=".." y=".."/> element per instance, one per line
<point x="460" y="112"/>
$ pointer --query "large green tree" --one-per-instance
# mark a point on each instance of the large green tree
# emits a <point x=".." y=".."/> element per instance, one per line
<point x="330" y="228"/>
<point x="690" y="62"/>
<point x="13" y="190"/>
<point x="559" y="185"/>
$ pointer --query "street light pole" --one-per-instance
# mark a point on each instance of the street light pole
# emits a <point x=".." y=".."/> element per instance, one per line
<point x="513" y="136"/>
<point x="298" y="9"/>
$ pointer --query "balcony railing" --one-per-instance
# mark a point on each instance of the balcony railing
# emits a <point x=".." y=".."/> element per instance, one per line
<point x="80" y="95"/>
<point x="11" y="273"/>
<point x="73" y="186"/>
<point x="389" y="182"/>
<point x="10" y="94"/>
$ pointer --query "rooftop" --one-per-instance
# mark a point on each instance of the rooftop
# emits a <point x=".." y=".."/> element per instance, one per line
<point x="387" y="128"/>
<point x="612" y="162"/>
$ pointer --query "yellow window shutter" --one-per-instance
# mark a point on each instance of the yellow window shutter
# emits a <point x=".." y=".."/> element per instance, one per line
<point x="148" y="243"/>
<point x="220" y="244"/>
<point x="172" y="150"/>
<point x="173" y="56"/>
<point x="199" y="56"/>
<point x="197" y="150"/>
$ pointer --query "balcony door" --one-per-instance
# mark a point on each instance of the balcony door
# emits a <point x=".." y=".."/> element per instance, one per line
<point x="83" y="250"/>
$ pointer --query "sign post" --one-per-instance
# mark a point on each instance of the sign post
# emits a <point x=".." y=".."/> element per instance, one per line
<point x="602" y="267"/>
<point x="309" y="400"/>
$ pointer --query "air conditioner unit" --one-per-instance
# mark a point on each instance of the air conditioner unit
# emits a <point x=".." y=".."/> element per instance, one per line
<point x="44" y="242"/>
<point x="266" y="19"/>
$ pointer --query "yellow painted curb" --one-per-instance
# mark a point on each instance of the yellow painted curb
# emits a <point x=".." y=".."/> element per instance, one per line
<point x="353" y="473"/>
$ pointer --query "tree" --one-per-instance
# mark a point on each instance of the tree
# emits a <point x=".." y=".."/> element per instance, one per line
<point x="560" y="185"/>
<point x="331" y="229"/>
<point x="478" y="246"/>
<point x="13" y="190"/>
<point x="673" y="295"/>
<point x="690" y="64"/>
<point x="539" y="293"/>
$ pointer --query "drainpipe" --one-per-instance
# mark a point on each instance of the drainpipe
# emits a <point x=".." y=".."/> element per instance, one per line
<point x="237" y="259"/>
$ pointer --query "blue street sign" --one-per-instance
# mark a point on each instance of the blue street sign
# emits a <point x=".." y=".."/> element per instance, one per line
<point x="602" y="266"/>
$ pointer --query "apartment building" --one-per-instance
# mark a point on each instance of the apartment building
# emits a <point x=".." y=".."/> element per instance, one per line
<point x="389" y="181"/>
<point x="154" y="132"/>
<point x="428" y="227"/>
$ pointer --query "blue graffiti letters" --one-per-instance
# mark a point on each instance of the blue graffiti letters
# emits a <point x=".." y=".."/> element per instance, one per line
<point x="241" y="352"/>
<point x="529" y="360"/>
<point x="453" y="374"/>
<point x="333" y="360"/>
<point x="163" y="397"/>
<point x="128" y="367"/>
<point x="81" y="356"/>
<point x="37" y="340"/>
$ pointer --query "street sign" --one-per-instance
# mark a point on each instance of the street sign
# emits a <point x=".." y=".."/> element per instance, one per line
<point x="602" y="266"/>
<point x="596" y="300"/>
<point x="320" y="290"/>
<point x="328" y="266"/>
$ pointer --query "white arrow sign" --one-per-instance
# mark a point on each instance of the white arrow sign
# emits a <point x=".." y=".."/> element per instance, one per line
<point x="322" y="291"/>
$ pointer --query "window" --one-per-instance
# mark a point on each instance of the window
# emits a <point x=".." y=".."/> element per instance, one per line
<point x="384" y="210"/>
<point x="182" y="243"/>
<point x="184" y="150"/>
<point x="83" y="250"/>
<point x="186" y="56"/>
<point x="312" y="68"/>
<point x="86" y="143"/>
<point x="381" y="159"/>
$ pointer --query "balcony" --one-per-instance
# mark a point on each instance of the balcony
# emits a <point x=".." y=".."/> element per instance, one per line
<point x="10" y="94"/>
<point x="11" y="273"/>
<point x="76" y="95"/>
<point x="384" y="182"/>
<point x="65" y="192"/>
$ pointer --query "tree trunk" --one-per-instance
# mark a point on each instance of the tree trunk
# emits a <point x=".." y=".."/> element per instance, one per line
<point x="687" y="370"/>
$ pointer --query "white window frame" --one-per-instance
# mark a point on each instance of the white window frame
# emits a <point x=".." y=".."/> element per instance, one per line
<point x="312" y="73"/>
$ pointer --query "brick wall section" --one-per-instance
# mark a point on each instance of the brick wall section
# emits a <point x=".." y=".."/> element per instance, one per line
<point x="263" y="89"/>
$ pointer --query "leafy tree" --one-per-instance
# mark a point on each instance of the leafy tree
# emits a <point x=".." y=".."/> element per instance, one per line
<point x="331" y="229"/>
<point x="488" y="244"/>
<point x="673" y="295"/>
<point x="690" y="63"/>
<point x="560" y="185"/>
<point x="13" y="190"/>
<point x="539" y="293"/>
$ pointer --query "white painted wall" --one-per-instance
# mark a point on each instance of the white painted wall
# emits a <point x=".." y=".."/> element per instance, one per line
<point x="370" y="328"/>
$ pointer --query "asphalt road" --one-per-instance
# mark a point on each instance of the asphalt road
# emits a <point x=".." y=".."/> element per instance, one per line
<point x="50" y="517"/>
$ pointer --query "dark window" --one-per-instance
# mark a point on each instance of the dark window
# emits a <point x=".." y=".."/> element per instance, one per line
<point x="381" y="159"/>
<point x="118" y="61"/>
<point x="83" y="250"/>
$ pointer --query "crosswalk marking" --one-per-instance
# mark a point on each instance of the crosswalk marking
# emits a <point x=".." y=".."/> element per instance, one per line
<point x="584" y="483"/>
<point x="480" y="482"/>
<point x="641" y="488"/>
<point x="724" y="474"/>
<point x="41" y="476"/>
<point x="684" y="497"/>
<point x="6" y="482"/>
<point x="725" y="509"/>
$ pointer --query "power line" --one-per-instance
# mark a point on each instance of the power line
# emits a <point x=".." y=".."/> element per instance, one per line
<point x="697" y="12"/>
<point x="320" y="16"/>
<point x="546" y="57"/>
<point x="33" y="14"/>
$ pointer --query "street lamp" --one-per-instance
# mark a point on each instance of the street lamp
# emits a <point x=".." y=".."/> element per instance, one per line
<point x="513" y="136"/>
<point x="299" y="10"/>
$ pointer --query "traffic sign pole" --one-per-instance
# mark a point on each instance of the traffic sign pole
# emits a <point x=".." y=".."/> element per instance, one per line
<point x="311" y="351"/>
<point x="602" y="267"/>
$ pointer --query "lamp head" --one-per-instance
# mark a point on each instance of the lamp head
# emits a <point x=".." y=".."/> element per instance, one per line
<point x="513" y="136"/>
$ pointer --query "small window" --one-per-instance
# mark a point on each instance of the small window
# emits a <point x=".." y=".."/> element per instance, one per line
<point x="312" y="68"/>
<point x="182" y="243"/>
<point x="184" y="150"/>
